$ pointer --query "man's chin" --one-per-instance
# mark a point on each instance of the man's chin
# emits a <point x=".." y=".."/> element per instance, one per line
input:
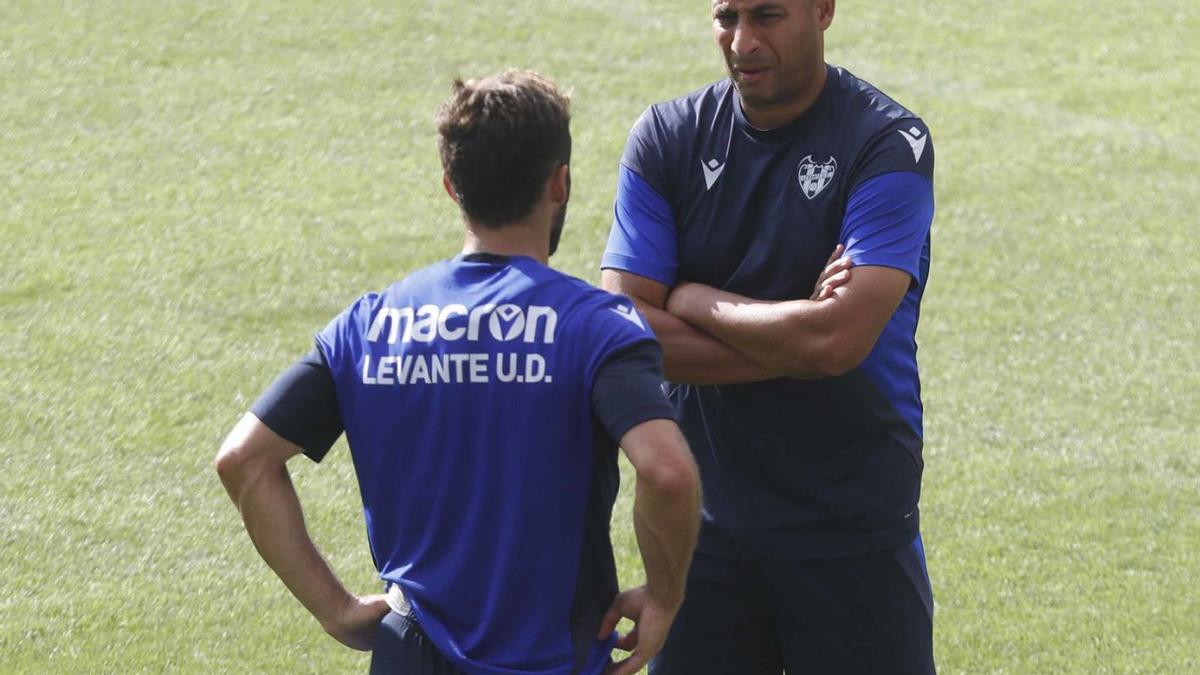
<point x="755" y="96"/>
<point x="755" y="92"/>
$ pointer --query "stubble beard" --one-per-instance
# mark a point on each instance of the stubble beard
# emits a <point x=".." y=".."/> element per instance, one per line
<point x="766" y="97"/>
<point x="556" y="228"/>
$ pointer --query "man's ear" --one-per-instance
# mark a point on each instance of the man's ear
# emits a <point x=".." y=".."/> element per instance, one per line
<point x="825" y="11"/>
<point x="449" y="188"/>
<point x="560" y="184"/>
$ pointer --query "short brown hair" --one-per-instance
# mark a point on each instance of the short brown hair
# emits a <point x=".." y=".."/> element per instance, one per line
<point x="500" y="137"/>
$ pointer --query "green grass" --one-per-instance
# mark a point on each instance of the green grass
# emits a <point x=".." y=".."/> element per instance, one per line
<point x="189" y="190"/>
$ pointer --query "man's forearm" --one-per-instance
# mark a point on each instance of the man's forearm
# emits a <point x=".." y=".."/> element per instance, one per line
<point x="666" y="524"/>
<point x="691" y="356"/>
<point x="790" y="337"/>
<point x="274" y="520"/>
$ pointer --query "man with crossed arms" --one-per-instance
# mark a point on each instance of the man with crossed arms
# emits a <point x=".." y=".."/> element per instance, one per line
<point x="803" y="411"/>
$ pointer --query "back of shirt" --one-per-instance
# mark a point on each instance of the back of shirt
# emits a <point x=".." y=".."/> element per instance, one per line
<point x="464" y="391"/>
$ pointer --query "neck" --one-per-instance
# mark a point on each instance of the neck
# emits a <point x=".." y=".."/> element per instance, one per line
<point x="774" y="115"/>
<point x="513" y="239"/>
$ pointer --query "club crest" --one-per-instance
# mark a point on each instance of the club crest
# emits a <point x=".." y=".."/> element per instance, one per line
<point x="815" y="176"/>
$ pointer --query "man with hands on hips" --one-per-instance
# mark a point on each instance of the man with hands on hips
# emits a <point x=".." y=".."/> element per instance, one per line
<point x="482" y="399"/>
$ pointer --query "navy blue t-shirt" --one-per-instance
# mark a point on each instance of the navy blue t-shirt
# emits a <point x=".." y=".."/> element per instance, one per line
<point x="792" y="469"/>
<point x="481" y="398"/>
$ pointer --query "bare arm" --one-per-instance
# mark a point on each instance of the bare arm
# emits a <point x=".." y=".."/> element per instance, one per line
<point x="666" y="518"/>
<point x="252" y="465"/>
<point x="801" y="338"/>
<point x="690" y="356"/>
<point x="693" y="356"/>
<point x="666" y="507"/>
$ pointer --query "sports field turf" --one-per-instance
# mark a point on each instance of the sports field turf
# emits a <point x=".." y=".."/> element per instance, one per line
<point x="188" y="190"/>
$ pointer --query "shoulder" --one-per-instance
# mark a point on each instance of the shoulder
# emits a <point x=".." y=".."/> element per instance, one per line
<point x="886" y="135"/>
<point x="695" y="105"/>
<point x="685" y="114"/>
<point x="594" y="313"/>
<point x="368" y="304"/>
<point x="871" y="109"/>
<point x="573" y="293"/>
<point x="665" y="136"/>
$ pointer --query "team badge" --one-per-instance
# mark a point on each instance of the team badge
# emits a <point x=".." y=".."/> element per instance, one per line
<point x="815" y="176"/>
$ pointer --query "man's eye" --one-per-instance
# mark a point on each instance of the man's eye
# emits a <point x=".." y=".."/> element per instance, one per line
<point x="725" y="18"/>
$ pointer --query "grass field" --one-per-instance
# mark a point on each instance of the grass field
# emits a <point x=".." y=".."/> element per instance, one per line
<point x="188" y="190"/>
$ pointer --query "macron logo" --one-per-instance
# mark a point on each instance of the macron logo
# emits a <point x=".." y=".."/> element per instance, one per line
<point x="629" y="314"/>
<point x="916" y="141"/>
<point x="712" y="171"/>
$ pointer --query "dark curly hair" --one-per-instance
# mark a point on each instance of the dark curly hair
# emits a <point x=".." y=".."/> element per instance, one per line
<point x="500" y="138"/>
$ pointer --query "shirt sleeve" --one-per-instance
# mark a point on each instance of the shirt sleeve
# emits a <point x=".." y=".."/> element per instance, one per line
<point x="887" y="222"/>
<point x="643" y="239"/>
<point x="301" y="406"/>
<point x="628" y="390"/>
<point x="903" y="146"/>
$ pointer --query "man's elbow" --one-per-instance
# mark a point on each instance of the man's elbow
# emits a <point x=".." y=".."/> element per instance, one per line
<point x="830" y="355"/>
<point x="227" y="464"/>
<point x="645" y="293"/>
<point x="233" y="463"/>
<point x="841" y="358"/>
<point x="674" y="476"/>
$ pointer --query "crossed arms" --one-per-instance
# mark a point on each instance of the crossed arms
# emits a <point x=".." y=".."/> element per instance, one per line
<point x="712" y="336"/>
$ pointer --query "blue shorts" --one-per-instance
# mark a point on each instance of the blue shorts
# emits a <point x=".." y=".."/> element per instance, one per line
<point x="402" y="648"/>
<point x="866" y="614"/>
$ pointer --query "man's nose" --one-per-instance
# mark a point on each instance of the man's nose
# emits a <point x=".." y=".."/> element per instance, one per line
<point x="745" y="39"/>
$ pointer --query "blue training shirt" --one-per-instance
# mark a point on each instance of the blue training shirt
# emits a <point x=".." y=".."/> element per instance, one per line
<point x="792" y="469"/>
<point x="464" y="390"/>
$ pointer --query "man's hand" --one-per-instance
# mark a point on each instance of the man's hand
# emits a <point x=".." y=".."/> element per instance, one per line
<point x="356" y="623"/>
<point x="836" y="273"/>
<point x="650" y="625"/>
